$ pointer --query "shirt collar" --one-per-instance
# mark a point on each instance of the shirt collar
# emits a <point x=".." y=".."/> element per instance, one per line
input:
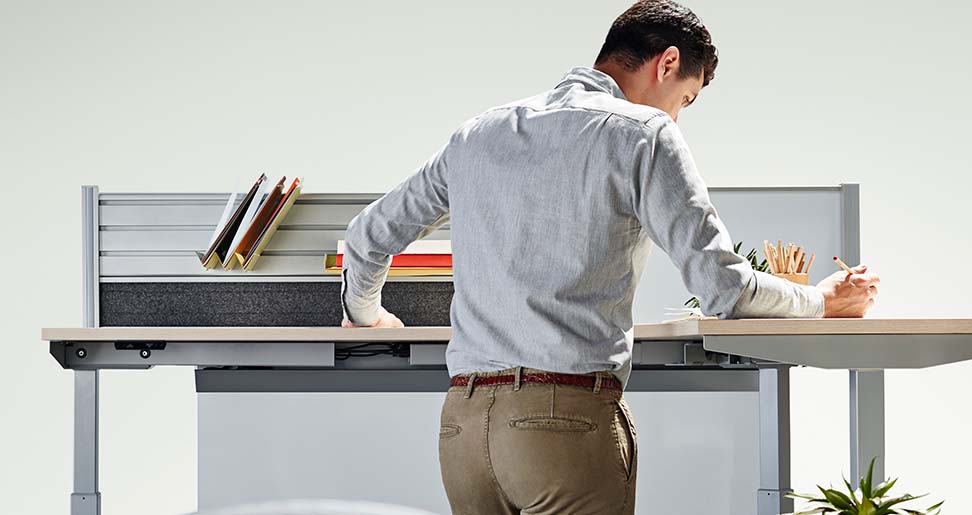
<point x="592" y="80"/>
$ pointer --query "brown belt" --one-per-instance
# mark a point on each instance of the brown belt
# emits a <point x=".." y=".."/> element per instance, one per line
<point x="585" y="381"/>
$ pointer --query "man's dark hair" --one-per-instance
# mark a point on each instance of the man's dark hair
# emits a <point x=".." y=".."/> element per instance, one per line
<point x="648" y="27"/>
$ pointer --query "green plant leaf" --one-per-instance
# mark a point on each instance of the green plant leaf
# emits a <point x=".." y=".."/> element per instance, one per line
<point x="805" y="496"/>
<point x="883" y="488"/>
<point x="932" y="510"/>
<point x="866" y="481"/>
<point x="836" y="498"/>
<point x="866" y="507"/>
<point x="850" y="491"/>
<point x="897" y="500"/>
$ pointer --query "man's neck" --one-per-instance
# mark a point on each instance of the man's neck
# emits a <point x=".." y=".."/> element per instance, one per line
<point x="625" y="79"/>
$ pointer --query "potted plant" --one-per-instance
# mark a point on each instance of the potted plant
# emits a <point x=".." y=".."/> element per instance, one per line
<point x="868" y="499"/>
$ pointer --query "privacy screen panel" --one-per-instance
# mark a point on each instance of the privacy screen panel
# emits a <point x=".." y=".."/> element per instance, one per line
<point x="265" y="303"/>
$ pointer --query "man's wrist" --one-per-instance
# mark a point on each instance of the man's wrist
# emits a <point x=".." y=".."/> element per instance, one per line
<point x="817" y="301"/>
<point x="359" y="311"/>
<point x="362" y="318"/>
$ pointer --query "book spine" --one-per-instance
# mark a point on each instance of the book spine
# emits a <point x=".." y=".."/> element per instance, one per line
<point x="404" y="260"/>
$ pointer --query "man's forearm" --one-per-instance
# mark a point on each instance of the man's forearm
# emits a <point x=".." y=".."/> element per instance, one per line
<point x="359" y="309"/>
<point x="365" y="267"/>
<point x="768" y="296"/>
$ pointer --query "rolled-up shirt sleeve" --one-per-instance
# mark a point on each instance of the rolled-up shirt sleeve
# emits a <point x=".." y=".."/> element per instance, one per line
<point x="413" y="209"/>
<point x="672" y="203"/>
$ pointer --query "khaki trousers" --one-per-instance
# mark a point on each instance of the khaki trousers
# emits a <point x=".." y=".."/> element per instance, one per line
<point x="538" y="449"/>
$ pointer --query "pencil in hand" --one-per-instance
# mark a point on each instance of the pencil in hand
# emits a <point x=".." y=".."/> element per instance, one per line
<point x="842" y="265"/>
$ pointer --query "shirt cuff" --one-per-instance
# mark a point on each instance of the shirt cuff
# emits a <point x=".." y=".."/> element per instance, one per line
<point x="358" y="310"/>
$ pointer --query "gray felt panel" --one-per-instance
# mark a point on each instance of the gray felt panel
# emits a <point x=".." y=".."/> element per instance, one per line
<point x="301" y="304"/>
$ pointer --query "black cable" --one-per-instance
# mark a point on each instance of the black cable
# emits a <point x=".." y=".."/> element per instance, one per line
<point x="365" y="350"/>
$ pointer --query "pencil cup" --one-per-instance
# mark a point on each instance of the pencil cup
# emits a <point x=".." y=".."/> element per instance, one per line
<point x="803" y="278"/>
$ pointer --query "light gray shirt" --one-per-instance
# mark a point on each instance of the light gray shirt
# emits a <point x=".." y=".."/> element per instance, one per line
<point x="553" y="203"/>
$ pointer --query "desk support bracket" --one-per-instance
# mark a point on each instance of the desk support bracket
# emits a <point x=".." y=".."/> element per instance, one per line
<point x="774" y="441"/>
<point x="86" y="500"/>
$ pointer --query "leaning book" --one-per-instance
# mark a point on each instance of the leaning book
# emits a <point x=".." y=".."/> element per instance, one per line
<point x="248" y="261"/>
<point x="229" y="224"/>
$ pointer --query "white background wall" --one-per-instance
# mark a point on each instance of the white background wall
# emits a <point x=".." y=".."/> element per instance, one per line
<point x="193" y="96"/>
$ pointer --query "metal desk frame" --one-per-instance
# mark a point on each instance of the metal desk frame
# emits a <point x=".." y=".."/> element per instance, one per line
<point x="692" y="358"/>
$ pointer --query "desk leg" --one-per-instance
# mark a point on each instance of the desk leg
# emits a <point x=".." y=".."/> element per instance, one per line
<point x="774" y="441"/>
<point x="86" y="500"/>
<point x="866" y="423"/>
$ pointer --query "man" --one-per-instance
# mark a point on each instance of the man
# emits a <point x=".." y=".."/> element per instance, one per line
<point x="553" y="202"/>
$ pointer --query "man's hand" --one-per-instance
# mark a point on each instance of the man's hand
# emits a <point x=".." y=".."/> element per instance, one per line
<point x="385" y="319"/>
<point x="849" y="295"/>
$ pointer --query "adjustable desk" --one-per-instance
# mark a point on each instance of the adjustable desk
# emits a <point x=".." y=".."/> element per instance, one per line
<point x="761" y="347"/>
<point x="258" y="383"/>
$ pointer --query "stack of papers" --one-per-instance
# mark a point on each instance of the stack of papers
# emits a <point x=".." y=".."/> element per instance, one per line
<point x="686" y="313"/>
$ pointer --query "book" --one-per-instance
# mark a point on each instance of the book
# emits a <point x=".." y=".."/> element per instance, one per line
<point x="249" y="260"/>
<point x="262" y="194"/>
<point x="402" y="260"/>
<point x="227" y="211"/>
<point x="410" y="272"/>
<point x="219" y="245"/>
<point x="260" y="221"/>
<point x="417" y="247"/>
<point x="404" y="272"/>
<point x="422" y="257"/>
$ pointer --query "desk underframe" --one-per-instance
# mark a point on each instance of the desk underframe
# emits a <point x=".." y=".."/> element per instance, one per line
<point x="660" y="366"/>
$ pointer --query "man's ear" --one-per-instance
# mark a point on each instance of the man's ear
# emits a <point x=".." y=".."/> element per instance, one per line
<point x="668" y="63"/>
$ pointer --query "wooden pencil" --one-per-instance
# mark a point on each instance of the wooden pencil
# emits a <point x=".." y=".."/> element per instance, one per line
<point x="799" y="259"/>
<point x="842" y="265"/>
<point x="810" y="263"/>
<point x="779" y="249"/>
<point x="776" y="264"/>
<point x="768" y="255"/>
<point x="799" y="268"/>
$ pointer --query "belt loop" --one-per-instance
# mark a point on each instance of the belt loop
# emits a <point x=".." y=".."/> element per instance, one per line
<point x="516" y="378"/>
<point x="469" y="387"/>
<point x="597" y="383"/>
